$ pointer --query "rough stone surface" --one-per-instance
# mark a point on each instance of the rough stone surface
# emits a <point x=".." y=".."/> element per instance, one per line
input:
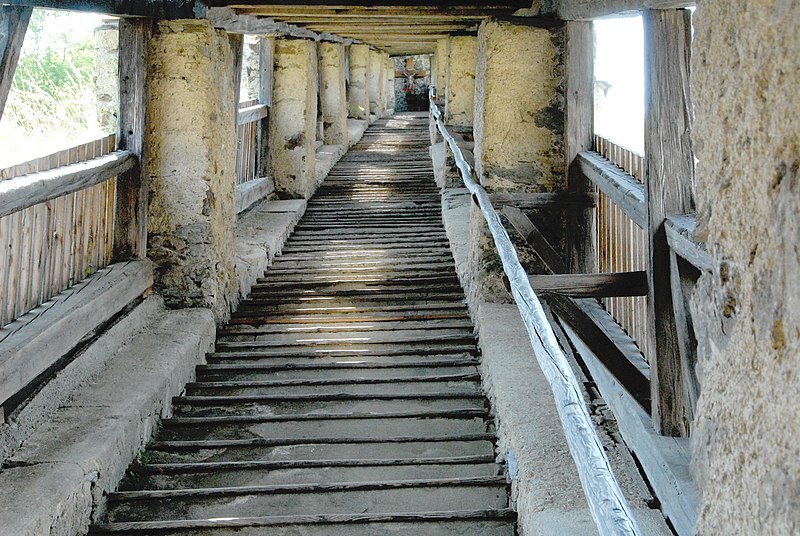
<point x="377" y="69"/>
<point x="57" y="482"/>
<point x="746" y="451"/>
<point x="356" y="129"/>
<point x="293" y="118"/>
<point x="461" y="64"/>
<point x="389" y="89"/>
<point x="333" y="97"/>
<point x="519" y="113"/>
<point x="440" y="66"/>
<point x="358" y="93"/>
<point x="189" y="159"/>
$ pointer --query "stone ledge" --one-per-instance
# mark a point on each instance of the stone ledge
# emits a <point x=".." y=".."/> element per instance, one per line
<point x="327" y="156"/>
<point x="356" y="129"/>
<point x="57" y="482"/>
<point x="260" y="234"/>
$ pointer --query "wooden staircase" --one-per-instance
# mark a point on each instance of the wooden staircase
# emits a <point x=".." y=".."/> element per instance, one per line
<point x="344" y="395"/>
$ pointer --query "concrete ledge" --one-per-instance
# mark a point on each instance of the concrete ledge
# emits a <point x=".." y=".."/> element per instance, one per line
<point x="251" y="192"/>
<point x="372" y="118"/>
<point x="260" y="235"/>
<point x="57" y="482"/>
<point x="388" y="112"/>
<point x="327" y="156"/>
<point x="356" y="129"/>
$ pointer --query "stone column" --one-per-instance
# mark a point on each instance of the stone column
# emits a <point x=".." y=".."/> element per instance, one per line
<point x="389" y="91"/>
<point x="358" y="97"/>
<point x="461" y="80"/>
<point x="189" y="159"/>
<point x="519" y="132"/>
<point x="293" y="118"/>
<point x="442" y="53"/>
<point x="333" y="98"/>
<point x="375" y="82"/>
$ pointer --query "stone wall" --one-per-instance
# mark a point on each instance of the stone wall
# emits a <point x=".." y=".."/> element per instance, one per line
<point x="746" y="443"/>
<point x="189" y="161"/>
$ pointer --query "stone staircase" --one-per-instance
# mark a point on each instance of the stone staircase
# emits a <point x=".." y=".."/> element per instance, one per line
<point x="344" y="395"/>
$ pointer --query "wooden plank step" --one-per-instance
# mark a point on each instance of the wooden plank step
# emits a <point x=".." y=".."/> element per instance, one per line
<point x="334" y="327"/>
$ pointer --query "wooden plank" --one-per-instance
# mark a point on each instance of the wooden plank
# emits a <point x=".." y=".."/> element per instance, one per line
<point x="266" y="52"/>
<point x="130" y="227"/>
<point x="682" y="285"/>
<point x="615" y="349"/>
<point x="539" y="201"/>
<point x="22" y="192"/>
<point x="622" y="188"/>
<point x="680" y="230"/>
<point x="35" y="341"/>
<point x="592" y="285"/>
<point x="232" y="22"/>
<point x="251" y="192"/>
<point x="524" y="226"/>
<point x="581" y="231"/>
<point x="252" y="113"/>
<point x="163" y="9"/>
<point x="669" y="173"/>
<point x="13" y="25"/>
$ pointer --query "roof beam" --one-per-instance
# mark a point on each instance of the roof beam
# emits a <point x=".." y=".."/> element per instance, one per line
<point x="156" y="9"/>
<point x="232" y="22"/>
<point x="594" y="9"/>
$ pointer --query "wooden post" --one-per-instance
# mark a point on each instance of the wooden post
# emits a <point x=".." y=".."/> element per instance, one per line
<point x="130" y="226"/>
<point x="264" y="97"/>
<point x="581" y="228"/>
<point x="669" y="172"/>
<point x="13" y="25"/>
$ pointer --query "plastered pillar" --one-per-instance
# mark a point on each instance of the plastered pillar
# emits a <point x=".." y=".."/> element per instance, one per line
<point x="293" y="118"/>
<point x="440" y="63"/>
<point x="333" y="97"/>
<point x="460" y="81"/>
<point x="375" y="82"/>
<point x="189" y="160"/>
<point x="519" y="135"/>
<point x="358" y="96"/>
<point x="389" y="92"/>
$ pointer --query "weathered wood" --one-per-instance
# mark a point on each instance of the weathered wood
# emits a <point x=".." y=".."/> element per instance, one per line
<point x="265" y="62"/>
<point x="35" y="341"/>
<point x="603" y="335"/>
<point x="581" y="231"/>
<point x="607" y="504"/>
<point x="13" y="25"/>
<point x="252" y="113"/>
<point x="23" y="192"/>
<point x="251" y="192"/>
<point x="227" y="19"/>
<point x="669" y="172"/>
<point x="539" y="201"/>
<point x="593" y="9"/>
<point x="682" y="282"/>
<point x="680" y="230"/>
<point x="524" y="226"/>
<point x="606" y="285"/>
<point x="155" y="9"/>
<point x="623" y="189"/>
<point x="130" y="227"/>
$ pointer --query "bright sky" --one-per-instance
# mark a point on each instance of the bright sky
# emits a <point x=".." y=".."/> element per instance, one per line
<point x="619" y="61"/>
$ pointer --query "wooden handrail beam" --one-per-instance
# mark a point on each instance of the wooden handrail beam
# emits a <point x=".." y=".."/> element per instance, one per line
<point x="29" y="190"/>
<point x="537" y="201"/>
<point x="680" y="230"/>
<point x="607" y="285"/>
<point x="251" y="114"/>
<point x="623" y="189"/>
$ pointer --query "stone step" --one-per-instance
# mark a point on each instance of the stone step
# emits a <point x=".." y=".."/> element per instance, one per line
<point x="310" y="499"/>
<point x="413" y="338"/>
<point x="348" y="286"/>
<point x="297" y="373"/>
<point x="351" y="352"/>
<point x="364" y="325"/>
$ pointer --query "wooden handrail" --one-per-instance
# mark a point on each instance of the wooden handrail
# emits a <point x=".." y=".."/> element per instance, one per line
<point x="252" y="113"/>
<point x="606" y="501"/>
<point x="622" y="188"/>
<point x="28" y="190"/>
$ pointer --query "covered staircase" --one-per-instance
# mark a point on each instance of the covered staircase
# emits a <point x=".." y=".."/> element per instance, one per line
<point x="344" y="395"/>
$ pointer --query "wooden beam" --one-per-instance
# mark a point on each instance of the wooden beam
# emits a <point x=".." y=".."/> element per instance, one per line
<point x="593" y="9"/>
<point x="680" y="230"/>
<point x="251" y="192"/>
<point x="542" y="201"/>
<point x="524" y="226"/>
<point x="33" y="343"/>
<point x="623" y="189"/>
<point x="669" y="173"/>
<point x="13" y="25"/>
<point x="251" y="114"/>
<point x="683" y="278"/>
<point x="229" y="20"/>
<point x="265" y="60"/>
<point x="23" y="192"/>
<point x="155" y="9"/>
<point x="130" y="227"/>
<point x="606" y="285"/>
<point x="581" y="228"/>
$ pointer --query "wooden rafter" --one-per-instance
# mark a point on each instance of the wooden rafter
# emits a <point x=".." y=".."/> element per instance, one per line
<point x="13" y="25"/>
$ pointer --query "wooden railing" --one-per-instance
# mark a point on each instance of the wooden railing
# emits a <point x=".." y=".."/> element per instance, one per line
<point x="56" y="223"/>
<point x="622" y="244"/>
<point x="607" y="504"/>
<point x="247" y="144"/>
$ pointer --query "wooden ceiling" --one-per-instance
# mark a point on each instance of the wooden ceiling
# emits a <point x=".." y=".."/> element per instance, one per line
<point x="398" y="27"/>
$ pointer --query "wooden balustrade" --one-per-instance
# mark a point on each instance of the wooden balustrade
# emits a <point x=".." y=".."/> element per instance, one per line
<point x="248" y="124"/>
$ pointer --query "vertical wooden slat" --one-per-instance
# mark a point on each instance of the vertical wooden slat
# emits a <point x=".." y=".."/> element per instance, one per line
<point x="265" y="54"/>
<point x="130" y="234"/>
<point x="669" y="168"/>
<point x="5" y="242"/>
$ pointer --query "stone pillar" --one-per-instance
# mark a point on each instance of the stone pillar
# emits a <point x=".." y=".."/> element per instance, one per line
<point x="189" y="159"/>
<point x="389" y="93"/>
<point x="358" y="97"/>
<point x="440" y="81"/>
<point x="461" y="80"/>
<point x="746" y="311"/>
<point x="519" y="133"/>
<point x="375" y="82"/>
<point x="106" y="68"/>
<point x="293" y="118"/>
<point x="333" y="98"/>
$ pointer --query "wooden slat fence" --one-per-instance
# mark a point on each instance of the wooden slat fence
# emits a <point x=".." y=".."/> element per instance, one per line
<point x="53" y="245"/>
<point x="246" y="148"/>
<point x="622" y="244"/>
